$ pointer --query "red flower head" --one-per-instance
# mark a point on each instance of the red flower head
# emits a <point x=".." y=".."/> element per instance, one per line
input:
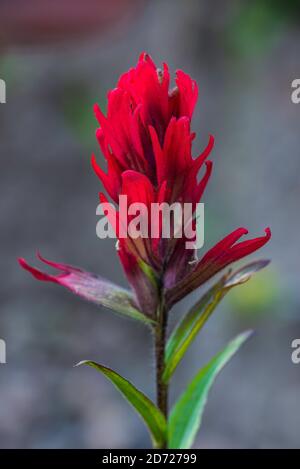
<point x="146" y="140"/>
<point x="143" y="115"/>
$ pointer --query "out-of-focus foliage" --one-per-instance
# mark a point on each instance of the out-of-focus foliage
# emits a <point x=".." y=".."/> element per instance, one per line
<point x="77" y="108"/>
<point x="257" y="23"/>
<point x="258" y="296"/>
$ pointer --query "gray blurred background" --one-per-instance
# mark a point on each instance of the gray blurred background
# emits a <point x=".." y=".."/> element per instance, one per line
<point x="57" y="61"/>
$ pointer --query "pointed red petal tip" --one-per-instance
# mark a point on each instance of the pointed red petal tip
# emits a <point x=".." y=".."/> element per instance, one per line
<point x="93" y="162"/>
<point x="206" y="152"/>
<point x="64" y="268"/>
<point x="98" y="113"/>
<point x="209" y="164"/>
<point x="203" y="183"/>
<point x="98" y="171"/>
<point x="96" y="108"/>
<point x="268" y="232"/>
<point x="38" y="274"/>
<point x="102" y="197"/>
<point x="253" y="244"/>
<point x="145" y="57"/>
<point x="210" y="145"/>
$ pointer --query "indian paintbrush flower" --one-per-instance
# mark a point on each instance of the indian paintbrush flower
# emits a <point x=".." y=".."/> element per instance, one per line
<point x="146" y="139"/>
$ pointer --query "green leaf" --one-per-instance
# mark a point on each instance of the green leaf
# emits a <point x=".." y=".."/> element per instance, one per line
<point x="186" y="415"/>
<point x="186" y="331"/>
<point x="147" y="410"/>
<point x="184" y="334"/>
<point x="149" y="272"/>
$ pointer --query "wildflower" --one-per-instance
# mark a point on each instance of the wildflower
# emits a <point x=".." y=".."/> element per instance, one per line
<point x="146" y="139"/>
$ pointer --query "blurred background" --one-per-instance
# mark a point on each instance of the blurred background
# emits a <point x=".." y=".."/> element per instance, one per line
<point x="58" y="59"/>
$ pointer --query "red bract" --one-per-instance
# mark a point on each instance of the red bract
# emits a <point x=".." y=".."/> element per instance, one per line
<point x="142" y="109"/>
<point x="222" y="254"/>
<point x="146" y="140"/>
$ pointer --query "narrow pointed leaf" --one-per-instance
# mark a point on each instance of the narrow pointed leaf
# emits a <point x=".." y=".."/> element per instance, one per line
<point x="243" y="274"/>
<point x="152" y="416"/>
<point x="185" y="418"/>
<point x="189" y="327"/>
<point x="186" y="331"/>
<point x="90" y="287"/>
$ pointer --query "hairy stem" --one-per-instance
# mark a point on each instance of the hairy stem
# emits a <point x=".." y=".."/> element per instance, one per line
<point x="160" y="344"/>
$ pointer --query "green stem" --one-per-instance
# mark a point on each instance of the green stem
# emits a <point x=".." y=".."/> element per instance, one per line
<point x="160" y="344"/>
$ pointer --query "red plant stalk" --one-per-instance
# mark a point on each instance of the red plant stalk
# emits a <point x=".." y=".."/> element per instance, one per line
<point x="146" y="139"/>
